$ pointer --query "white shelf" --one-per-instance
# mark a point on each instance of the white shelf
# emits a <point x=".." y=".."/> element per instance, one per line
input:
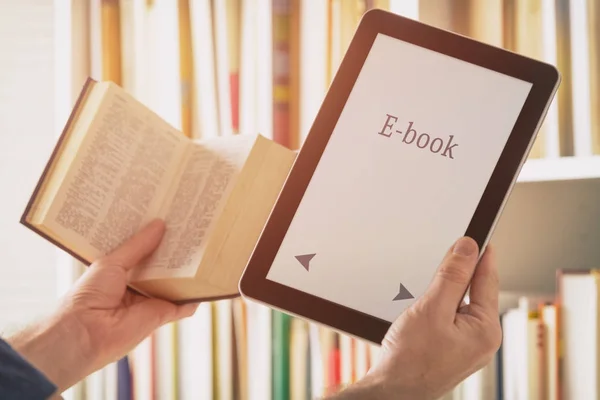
<point x="561" y="168"/>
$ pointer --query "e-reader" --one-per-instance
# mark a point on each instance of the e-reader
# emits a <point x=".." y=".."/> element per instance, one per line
<point x="418" y="142"/>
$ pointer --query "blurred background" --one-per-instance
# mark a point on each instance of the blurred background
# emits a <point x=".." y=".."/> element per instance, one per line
<point x="226" y="67"/>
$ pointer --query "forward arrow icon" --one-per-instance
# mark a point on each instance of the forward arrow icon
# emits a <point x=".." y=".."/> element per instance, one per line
<point x="305" y="260"/>
<point x="403" y="294"/>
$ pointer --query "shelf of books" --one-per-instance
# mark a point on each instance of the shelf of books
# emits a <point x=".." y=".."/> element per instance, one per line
<point x="237" y="67"/>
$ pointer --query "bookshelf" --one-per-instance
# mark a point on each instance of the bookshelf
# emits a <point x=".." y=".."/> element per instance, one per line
<point x="220" y="67"/>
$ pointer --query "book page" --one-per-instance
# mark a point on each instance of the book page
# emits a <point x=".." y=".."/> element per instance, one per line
<point x="119" y="178"/>
<point x="190" y="214"/>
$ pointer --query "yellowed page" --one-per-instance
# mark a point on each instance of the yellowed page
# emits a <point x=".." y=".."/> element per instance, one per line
<point x="195" y="204"/>
<point x="224" y="267"/>
<point x="119" y="178"/>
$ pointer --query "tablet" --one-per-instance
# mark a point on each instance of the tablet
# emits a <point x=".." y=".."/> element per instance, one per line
<point x="418" y="141"/>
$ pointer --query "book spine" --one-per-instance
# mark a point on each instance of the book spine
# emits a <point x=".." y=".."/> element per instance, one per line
<point x="233" y="10"/>
<point x="281" y="355"/>
<point x="334" y="365"/>
<point x="124" y="380"/>
<point x="186" y="66"/>
<point x="564" y="95"/>
<point x="111" y="41"/>
<point x="593" y="13"/>
<point x="541" y="344"/>
<point x="281" y="71"/>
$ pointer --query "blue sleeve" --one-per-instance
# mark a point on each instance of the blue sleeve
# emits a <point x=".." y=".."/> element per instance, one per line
<point x="19" y="379"/>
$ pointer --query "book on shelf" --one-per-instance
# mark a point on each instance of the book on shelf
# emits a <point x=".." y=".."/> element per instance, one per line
<point x="578" y="299"/>
<point x="118" y="165"/>
<point x="550" y="348"/>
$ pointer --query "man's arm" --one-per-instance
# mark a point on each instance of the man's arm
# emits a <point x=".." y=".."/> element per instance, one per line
<point x="429" y="349"/>
<point x="58" y="346"/>
<point x="372" y="387"/>
<point x="99" y="320"/>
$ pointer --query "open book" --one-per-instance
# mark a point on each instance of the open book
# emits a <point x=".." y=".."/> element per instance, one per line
<point x="118" y="165"/>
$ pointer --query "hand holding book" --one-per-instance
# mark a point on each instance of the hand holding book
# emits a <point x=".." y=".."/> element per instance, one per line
<point x="118" y="165"/>
<point x="99" y="320"/>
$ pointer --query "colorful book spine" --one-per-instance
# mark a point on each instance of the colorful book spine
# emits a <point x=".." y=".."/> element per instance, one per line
<point x="186" y="66"/>
<point x="281" y="71"/>
<point x="124" y="380"/>
<point x="233" y="10"/>
<point x="111" y="41"/>
<point x="281" y="355"/>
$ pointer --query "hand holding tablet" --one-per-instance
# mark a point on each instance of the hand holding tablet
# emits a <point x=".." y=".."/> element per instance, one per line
<point x="430" y="350"/>
<point x="418" y="142"/>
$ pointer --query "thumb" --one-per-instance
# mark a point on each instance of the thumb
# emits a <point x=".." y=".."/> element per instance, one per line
<point x="452" y="278"/>
<point x="485" y="283"/>
<point x="139" y="246"/>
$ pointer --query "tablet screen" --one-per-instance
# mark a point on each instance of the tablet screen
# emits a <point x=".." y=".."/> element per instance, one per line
<point x="400" y="178"/>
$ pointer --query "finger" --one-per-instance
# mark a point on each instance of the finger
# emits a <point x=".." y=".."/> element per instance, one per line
<point x="186" y="310"/>
<point x="453" y="276"/>
<point x="157" y="312"/>
<point x="147" y="315"/>
<point x="138" y="247"/>
<point x="485" y="283"/>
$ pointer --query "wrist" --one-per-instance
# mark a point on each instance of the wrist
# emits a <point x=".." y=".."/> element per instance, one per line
<point x="374" y="386"/>
<point x="58" y="347"/>
<point x="386" y="383"/>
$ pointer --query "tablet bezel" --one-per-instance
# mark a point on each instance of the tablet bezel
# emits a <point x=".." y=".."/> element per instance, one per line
<point x="545" y="79"/>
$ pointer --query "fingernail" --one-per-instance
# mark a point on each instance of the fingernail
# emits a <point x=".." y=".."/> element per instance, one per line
<point x="465" y="246"/>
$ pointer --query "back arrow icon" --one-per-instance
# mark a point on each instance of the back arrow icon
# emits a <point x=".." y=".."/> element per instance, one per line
<point x="305" y="260"/>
